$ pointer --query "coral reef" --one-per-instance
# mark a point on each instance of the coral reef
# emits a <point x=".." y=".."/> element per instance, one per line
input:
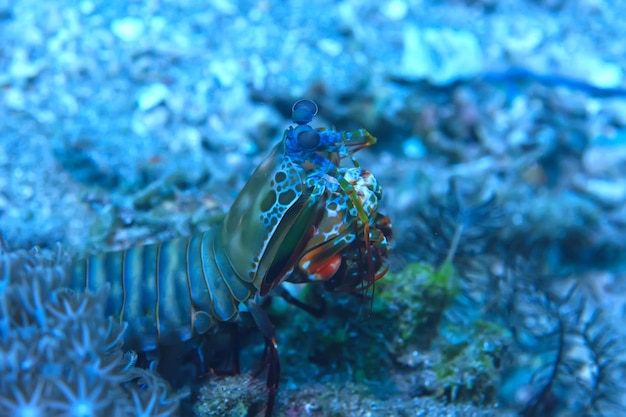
<point x="59" y="354"/>
<point x="239" y="395"/>
<point x="509" y="283"/>
<point x="556" y="351"/>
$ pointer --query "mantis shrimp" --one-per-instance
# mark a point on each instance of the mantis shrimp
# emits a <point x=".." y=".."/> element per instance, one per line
<point x="301" y="218"/>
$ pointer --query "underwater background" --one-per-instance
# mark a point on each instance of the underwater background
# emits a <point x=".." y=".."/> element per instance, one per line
<point x="501" y="149"/>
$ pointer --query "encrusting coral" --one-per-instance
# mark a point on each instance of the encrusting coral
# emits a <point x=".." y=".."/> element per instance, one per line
<point x="59" y="354"/>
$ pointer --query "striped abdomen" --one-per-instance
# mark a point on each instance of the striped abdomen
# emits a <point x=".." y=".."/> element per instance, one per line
<point x="166" y="292"/>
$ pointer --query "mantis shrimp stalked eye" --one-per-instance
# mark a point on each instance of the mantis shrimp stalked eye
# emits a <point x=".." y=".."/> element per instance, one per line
<point x="302" y="217"/>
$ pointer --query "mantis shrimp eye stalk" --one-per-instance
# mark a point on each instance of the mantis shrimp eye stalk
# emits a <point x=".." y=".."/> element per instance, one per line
<point x="303" y="111"/>
<point x="302" y="114"/>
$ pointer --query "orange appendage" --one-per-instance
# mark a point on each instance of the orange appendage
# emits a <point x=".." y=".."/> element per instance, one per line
<point x="325" y="269"/>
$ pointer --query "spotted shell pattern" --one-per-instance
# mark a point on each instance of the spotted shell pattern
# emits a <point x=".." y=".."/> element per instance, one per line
<point x="284" y="190"/>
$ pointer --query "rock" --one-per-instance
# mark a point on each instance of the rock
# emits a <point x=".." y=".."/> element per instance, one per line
<point x="15" y="99"/>
<point x="606" y="157"/>
<point x="330" y="47"/>
<point x="22" y="68"/>
<point x="225" y="6"/>
<point x="226" y="72"/>
<point x="155" y="119"/>
<point x="601" y="73"/>
<point x="152" y="96"/>
<point x="413" y="147"/>
<point x="394" y="9"/>
<point x="128" y="29"/>
<point x="608" y="193"/>
<point x="440" y="55"/>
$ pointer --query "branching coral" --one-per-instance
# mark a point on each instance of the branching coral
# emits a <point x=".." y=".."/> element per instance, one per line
<point x="59" y="354"/>
<point x="454" y="229"/>
<point x="577" y="363"/>
<point x="566" y="358"/>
